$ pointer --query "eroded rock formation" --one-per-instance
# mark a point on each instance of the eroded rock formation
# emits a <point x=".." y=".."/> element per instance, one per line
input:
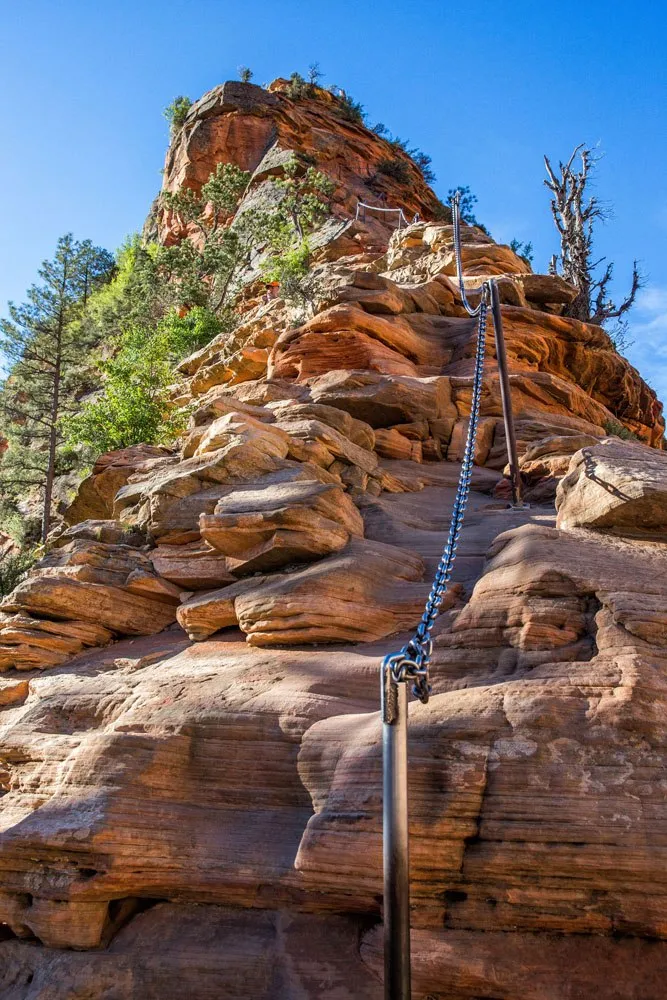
<point x="189" y="730"/>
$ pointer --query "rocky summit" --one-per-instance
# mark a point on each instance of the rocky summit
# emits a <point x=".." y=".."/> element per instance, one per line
<point x="190" y="739"/>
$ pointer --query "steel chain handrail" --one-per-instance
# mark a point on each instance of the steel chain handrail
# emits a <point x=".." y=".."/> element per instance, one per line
<point x="413" y="660"/>
<point x="377" y="208"/>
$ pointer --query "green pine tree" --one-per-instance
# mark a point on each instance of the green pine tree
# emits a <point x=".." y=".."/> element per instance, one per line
<point x="45" y="344"/>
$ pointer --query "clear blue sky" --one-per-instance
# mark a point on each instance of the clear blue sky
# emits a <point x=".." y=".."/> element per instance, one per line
<point x="485" y="88"/>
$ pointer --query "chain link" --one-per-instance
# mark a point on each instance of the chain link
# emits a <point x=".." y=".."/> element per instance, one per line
<point x="413" y="660"/>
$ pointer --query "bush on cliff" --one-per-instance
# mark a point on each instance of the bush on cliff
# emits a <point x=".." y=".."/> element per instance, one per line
<point x="304" y="205"/>
<point x="164" y="303"/>
<point x="13" y="569"/>
<point x="134" y="405"/>
<point x="177" y="112"/>
<point x="395" y="168"/>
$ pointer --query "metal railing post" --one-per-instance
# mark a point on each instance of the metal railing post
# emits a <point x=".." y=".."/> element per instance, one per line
<point x="396" y="855"/>
<point x="506" y="397"/>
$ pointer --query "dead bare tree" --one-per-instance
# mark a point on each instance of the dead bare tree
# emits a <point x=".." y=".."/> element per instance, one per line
<point x="575" y="215"/>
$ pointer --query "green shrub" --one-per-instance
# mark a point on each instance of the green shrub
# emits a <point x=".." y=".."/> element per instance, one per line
<point x="245" y="74"/>
<point x="196" y="329"/>
<point x="395" y="168"/>
<point x="177" y="112"/>
<point x="298" y="87"/>
<point x="134" y="405"/>
<point x="13" y="569"/>
<point x="291" y="269"/>
<point x="523" y="250"/>
<point x="616" y="429"/>
<point x="351" y="110"/>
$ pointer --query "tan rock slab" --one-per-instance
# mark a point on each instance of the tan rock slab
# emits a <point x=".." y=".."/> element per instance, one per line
<point x="390" y="443"/>
<point x="111" y="607"/>
<point x="271" y="525"/>
<point x="383" y="401"/>
<point x="615" y="486"/>
<point x="193" y="565"/>
<point x="367" y="591"/>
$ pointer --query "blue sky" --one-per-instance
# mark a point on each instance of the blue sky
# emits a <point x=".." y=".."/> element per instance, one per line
<point x="486" y="89"/>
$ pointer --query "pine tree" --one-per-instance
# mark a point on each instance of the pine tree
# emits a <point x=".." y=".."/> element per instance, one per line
<point x="45" y="345"/>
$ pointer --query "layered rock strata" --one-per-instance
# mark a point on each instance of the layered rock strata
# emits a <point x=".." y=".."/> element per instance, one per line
<point x="190" y="746"/>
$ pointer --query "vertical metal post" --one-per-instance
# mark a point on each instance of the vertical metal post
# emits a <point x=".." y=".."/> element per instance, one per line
<point x="395" y="838"/>
<point x="506" y="396"/>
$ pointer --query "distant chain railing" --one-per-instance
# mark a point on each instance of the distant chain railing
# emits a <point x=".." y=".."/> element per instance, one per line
<point x="362" y="207"/>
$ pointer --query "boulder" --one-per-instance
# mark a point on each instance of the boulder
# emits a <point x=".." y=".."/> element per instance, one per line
<point x="113" y="588"/>
<point x="358" y="431"/>
<point x="303" y="428"/>
<point x="390" y="443"/>
<point x="366" y="591"/>
<point x="547" y="289"/>
<point x="95" y="495"/>
<point x="316" y="353"/>
<point x="234" y="448"/>
<point x="395" y="333"/>
<point x="266" y="526"/>
<point x="615" y="486"/>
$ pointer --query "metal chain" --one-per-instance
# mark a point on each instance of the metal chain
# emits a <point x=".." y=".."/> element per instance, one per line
<point x="456" y="220"/>
<point x="413" y="660"/>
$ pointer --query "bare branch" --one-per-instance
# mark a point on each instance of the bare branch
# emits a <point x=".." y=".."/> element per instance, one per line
<point x="574" y="216"/>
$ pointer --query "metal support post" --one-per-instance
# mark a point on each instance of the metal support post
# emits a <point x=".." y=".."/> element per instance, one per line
<point x="395" y="831"/>
<point x="506" y="397"/>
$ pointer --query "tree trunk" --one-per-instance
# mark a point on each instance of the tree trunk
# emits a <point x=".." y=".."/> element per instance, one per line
<point x="51" y="467"/>
<point x="55" y="408"/>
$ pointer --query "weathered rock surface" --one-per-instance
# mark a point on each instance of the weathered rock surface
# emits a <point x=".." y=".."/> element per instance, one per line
<point x="358" y="595"/>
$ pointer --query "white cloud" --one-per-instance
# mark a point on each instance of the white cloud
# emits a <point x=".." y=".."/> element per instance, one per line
<point x="648" y="330"/>
<point x="652" y="299"/>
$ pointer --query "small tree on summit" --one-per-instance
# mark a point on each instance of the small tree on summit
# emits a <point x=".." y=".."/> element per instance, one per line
<point x="245" y="74"/>
<point x="575" y="215"/>
<point x="177" y="112"/>
<point x="314" y="74"/>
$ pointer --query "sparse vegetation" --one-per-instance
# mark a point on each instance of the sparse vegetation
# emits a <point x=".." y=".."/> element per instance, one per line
<point x="170" y="301"/>
<point x="524" y="250"/>
<point x="314" y="74"/>
<point x="303" y="207"/>
<point x="245" y="74"/>
<point x="421" y="160"/>
<point x="350" y="109"/>
<point x="616" y="429"/>
<point x="395" y="168"/>
<point x="13" y="569"/>
<point x="298" y="87"/>
<point x="177" y="112"/>
<point x="165" y="303"/>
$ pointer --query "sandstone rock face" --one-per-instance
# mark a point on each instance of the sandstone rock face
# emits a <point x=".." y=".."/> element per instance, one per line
<point x="617" y="486"/>
<point x="190" y="743"/>
<point x="249" y="126"/>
